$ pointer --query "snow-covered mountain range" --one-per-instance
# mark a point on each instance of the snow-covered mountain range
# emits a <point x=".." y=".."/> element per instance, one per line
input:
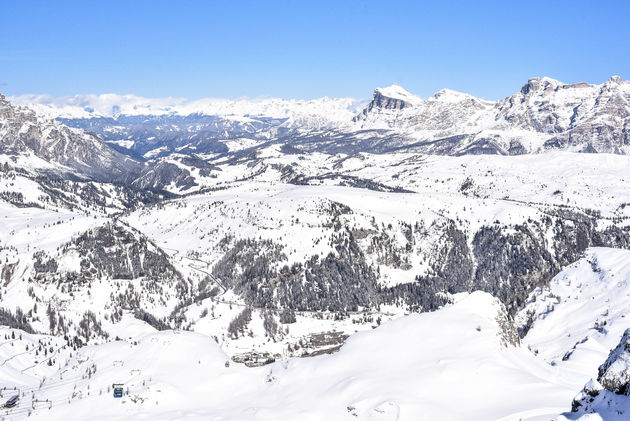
<point x="22" y="131"/>
<point x="545" y="114"/>
<point x="251" y="234"/>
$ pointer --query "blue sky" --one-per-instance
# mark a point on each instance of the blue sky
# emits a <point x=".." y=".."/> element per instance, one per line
<point x="307" y="49"/>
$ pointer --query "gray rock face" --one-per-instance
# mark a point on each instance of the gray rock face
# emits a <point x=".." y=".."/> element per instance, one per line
<point x="543" y="115"/>
<point x="381" y="101"/>
<point x="21" y="130"/>
<point x="614" y="374"/>
<point x="589" y="118"/>
<point x="608" y="395"/>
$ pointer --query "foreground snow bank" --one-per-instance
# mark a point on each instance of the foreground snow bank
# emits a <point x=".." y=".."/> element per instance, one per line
<point x="461" y="362"/>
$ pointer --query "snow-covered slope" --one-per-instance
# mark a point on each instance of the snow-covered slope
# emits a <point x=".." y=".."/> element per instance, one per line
<point x="379" y="235"/>
<point x="408" y="369"/>
<point x="573" y="323"/>
<point x="582" y="313"/>
<point x="607" y="397"/>
<point x="267" y="230"/>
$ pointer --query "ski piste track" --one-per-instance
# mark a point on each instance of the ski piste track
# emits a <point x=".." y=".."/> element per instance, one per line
<point x="56" y="394"/>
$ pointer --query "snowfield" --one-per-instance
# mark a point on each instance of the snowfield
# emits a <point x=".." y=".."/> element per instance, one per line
<point x="409" y="368"/>
<point x="399" y="371"/>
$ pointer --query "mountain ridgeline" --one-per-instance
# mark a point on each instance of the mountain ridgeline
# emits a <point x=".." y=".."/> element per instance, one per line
<point x="327" y="205"/>
<point x="544" y="115"/>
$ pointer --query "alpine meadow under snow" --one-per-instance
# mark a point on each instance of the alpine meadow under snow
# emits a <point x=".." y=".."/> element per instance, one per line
<point x="402" y="258"/>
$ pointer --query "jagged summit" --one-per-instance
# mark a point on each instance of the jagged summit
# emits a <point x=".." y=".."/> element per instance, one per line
<point x="615" y="79"/>
<point x="449" y="95"/>
<point x="545" y="114"/>
<point x="537" y="84"/>
<point x="398" y="93"/>
<point x="388" y="100"/>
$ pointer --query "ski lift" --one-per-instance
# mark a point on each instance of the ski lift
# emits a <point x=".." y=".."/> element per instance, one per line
<point x="12" y="401"/>
<point x="118" y="390"/>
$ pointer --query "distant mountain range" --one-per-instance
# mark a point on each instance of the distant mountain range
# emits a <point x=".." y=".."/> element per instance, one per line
<point x="544" y="115"/>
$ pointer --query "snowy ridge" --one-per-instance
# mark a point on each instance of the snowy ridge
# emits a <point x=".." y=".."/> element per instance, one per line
<point x="545" y="114"/>
<point x="396" y="91"/>
<point x="112" y="105"/>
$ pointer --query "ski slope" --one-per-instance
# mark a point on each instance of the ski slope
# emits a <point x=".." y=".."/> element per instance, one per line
<point x="452" y="364"/>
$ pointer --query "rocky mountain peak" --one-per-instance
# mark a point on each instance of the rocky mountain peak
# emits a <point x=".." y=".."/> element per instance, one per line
<point x="23" y="132"/>
<point x="390" y="99"/>
<point x="615" y="79"/>
<point x="394" y="97"/>
<point x="540" y="85"/>
<point x="448" y="95"/>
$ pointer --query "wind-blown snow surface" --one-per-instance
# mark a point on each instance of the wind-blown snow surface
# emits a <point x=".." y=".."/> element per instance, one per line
<point x="451" y="364"/>
<point x="581" y="315"/>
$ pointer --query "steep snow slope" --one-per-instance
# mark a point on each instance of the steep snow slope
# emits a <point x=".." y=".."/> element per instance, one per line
<point x="575" y="320"/>
<point x="582" y="313"/>
<point x="413" y="368"/>
<point x="607" y="397"/>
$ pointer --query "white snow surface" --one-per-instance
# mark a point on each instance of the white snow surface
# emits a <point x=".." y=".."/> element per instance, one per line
<point x="450" y="365"/>
<point x="580" y="317"/>
<point x="396" y="91"/>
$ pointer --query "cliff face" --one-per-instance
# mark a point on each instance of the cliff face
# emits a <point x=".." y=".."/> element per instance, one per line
<point x="23" y="131"/>
<point x="608" y="395"/>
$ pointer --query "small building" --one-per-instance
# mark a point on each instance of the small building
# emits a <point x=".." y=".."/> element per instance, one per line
<point x="118" y="390"/>
<point x="12" y="401"/>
